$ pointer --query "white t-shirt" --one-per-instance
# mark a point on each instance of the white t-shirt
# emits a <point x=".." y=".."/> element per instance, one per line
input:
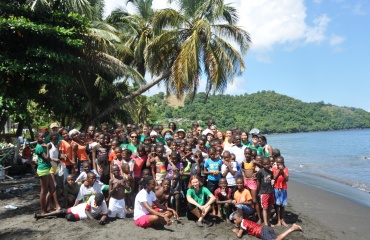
<point x="239" y="153"/>
<point x="229" y="177"/>
<point x="53" y="153"/>
<point x="83" y="175"/>
<point x="85" y="193"/>
<point x="90" y="206"/>
<point x="143" y="196"/>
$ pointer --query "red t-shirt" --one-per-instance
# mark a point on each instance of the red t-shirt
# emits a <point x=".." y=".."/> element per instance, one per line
<point x="251" y="227"/>
<point x="112" y="155"/>
<point x="223" y="196"/>
<point x="280" y="181"/>
<point x="139" y="163"/>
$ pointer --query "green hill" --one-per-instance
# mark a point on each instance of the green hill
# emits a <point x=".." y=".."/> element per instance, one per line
<point x="268" y="111"/>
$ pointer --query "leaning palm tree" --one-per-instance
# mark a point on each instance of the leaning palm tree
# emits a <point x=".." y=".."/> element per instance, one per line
<point x="191" y="43"/>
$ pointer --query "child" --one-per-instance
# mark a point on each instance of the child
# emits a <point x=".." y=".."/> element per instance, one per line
<point x="158" y="164"/>
<point x="174" y="165"/>
<point x="86" y="169"/>
<point x="117" y="187"/>
<point x="113" y="154"/>
<point x="219" y="151"/>
<point x="264" y="177"/>
<point x="163" y="192"/>
<point x="43" y="171"/>
<point x="139" y="160"/>
<point x="187" y="159"/>
<point x="262" y="232"/>
<point x="27" y="157"/>
<point x="54" y="160"/>
<point x="71" y="190"/>
<point x="229" y="170"/>
<point x="212" y="168"/>
<point x="250" y="182"/>
<point x="281" y="177"/>
<point x="127" y="175"/>
<point x="242" y="199"/>
<point x="223" y="196"/>
<point x="94" y="208"/>
<point x="88" y="188"/>
<point x="145" y="173"/>
<point x="197" y="165"/>
<point x="175" y="191"/>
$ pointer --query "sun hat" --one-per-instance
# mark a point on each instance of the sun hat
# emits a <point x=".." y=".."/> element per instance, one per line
<point x="54" y="125"/>
<point x="166" y="130"/>
<point x="181" y="130"/>
<point x="153" y="133"/>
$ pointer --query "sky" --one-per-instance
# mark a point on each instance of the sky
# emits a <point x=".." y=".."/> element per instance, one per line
<point x="311" y="50"/>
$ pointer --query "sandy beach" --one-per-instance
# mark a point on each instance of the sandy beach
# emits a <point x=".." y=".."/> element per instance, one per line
<point x="321" y="214"/>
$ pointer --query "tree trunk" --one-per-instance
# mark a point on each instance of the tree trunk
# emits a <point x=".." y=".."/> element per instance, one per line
<point x="31" y="132"/>
<point x="131" y="96"/>
<point x="20" y="128"/>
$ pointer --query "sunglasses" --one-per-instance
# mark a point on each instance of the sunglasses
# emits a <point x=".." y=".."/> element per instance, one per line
<point x="133" y="137"/>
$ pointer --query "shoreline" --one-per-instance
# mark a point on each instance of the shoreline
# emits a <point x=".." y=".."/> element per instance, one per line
<point x="322" y="215"/>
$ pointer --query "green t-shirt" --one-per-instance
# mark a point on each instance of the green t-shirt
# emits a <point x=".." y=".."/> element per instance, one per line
<point x="41" y="165"/>
<point x="259" y="149"/>
<point x="201" y="196"/>
<point x="133" y="148"/>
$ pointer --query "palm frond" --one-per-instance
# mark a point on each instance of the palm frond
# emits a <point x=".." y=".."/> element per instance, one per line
<point x="235" y="33"/>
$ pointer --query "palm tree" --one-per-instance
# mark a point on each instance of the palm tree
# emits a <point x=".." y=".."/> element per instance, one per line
<point x="190" y="43"/>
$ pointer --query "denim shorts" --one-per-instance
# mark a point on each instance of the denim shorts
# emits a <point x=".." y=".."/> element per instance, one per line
<point x="245" y="208"/>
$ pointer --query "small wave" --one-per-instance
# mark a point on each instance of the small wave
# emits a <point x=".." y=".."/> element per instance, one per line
<point x="359" y="186"/>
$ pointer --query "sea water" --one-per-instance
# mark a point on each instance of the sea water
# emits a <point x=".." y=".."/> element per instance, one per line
<point x="337" y="161"/>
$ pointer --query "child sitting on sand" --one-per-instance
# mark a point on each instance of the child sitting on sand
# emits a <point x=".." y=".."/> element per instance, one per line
<point x="71" y="190"/>
<point x="223" y="196"/>
<point x="88" y="188"/>
<point x="262" y="232"/>
<point x="281" y="177"/>
<point x="95" y="208"/>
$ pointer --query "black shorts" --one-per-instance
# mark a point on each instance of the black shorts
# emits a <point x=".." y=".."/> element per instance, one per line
<point x="212" y="186"/>
<point x="267" y="233"/>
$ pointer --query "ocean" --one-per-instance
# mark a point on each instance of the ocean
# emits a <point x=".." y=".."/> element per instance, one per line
<point x="336" y="161"/>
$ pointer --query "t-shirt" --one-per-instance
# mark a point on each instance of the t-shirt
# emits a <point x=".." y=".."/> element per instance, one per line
<point x="251" y="227"/>
<point x="223" y="195"/>
<point x="67" y="150"/>
<point x="83" y="175"/>
<point x="143" y="196"/>
<point x="265" y="177"/>
<point x="130" y="146"/>
<point x="213" y="165"/>
<point x="41" y="165"/>
<point x="101" y="150"/>
<point x="194" y="168"/>
<point x="239" y="153"/>
<point x="201" y="196"/>
<point x="280" y="181"/>
<point x="170" y="172"/>
<point x="243" y="196"/>
<point x="229" y="177"/>
<point x="112" y="155"/>
<point x="85" y="193"/>
<point x="259" y="149"/>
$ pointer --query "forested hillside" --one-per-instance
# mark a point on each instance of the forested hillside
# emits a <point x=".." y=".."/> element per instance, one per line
<point x="268" y="111"/>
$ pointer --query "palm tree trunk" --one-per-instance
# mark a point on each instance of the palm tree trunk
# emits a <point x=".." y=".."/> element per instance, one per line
<point x="131" y="96"/>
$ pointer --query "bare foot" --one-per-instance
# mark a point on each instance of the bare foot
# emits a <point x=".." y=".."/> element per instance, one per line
<point x="284" y="223"/>
<point x="296" y="227"/>
<point x="259" y="222"/>
<point x="219" y="215"/>
<point x="278" y="223"/>
<point x="227" y="220"/>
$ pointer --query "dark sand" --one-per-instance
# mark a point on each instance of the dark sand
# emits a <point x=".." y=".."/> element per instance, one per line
<point x="321" y="214"/>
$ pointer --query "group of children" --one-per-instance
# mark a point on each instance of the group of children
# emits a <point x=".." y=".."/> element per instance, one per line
<point x="241" y="183"/>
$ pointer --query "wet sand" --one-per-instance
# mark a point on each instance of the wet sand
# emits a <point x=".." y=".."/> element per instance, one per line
<point x="321" y="214"/>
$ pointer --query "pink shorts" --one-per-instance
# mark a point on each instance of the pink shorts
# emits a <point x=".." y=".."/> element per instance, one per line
<point x="143" y="221"/>
<point x="267" y="200"/>
<point x="250" y="183"/>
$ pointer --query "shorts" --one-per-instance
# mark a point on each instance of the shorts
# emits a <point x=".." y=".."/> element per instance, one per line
<point x="159" y="177"/>
<point x="212" y="185"/>
<point x="53" y="169"/>
<point x="247" y="210"/>
<point x="250" y="183"/>
<point x="281" y="197"/>
<point x="44" y="172"/>
<point x="267" y="233"/>
<point x="117" y="208"/>
<point x="78" y="212"/>
<point x="267" y="200"/>
<point x="143" y="221"/>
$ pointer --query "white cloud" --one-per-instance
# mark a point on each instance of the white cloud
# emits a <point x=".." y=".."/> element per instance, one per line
<point x="316" y="34"/>
<point x="359" y="10"/>
<point x="336" y="40"/>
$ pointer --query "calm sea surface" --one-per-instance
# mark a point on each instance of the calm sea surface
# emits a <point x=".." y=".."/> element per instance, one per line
<point x="329" y="160"/>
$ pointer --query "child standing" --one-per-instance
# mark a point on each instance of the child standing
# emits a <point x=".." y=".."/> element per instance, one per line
<point x="229" y="170"/>
<point x="127" y="176"/>
<point x="281" y="177"/>
<point x="117" y="188"/>
<point x="174" y="165"/>
<point x="212" y="168"/>
<point x="264" y="177"/>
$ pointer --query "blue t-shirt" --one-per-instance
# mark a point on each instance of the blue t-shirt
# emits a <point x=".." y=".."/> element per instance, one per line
<point x="213" y="165"/>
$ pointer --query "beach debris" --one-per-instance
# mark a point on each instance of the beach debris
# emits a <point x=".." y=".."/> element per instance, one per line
<point x="11" y="207"/>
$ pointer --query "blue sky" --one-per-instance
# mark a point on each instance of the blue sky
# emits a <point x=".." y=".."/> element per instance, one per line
<point x="312" y="50"/>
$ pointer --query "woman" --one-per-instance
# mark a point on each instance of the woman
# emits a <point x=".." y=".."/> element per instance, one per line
<point x="65" y="150"/>
<point x="144" y="134"/>
<point x="172" y="126"/>
<point x="79" y="153"/>
<point x="133" y="142"/>
<point x="144" y="214"/>
<point x="213" y="128"/>
<point x="196" y="197"/>
<point x="244" y="137"/>
<point x="220" y="135"/>
<point x="267" y="149"/>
